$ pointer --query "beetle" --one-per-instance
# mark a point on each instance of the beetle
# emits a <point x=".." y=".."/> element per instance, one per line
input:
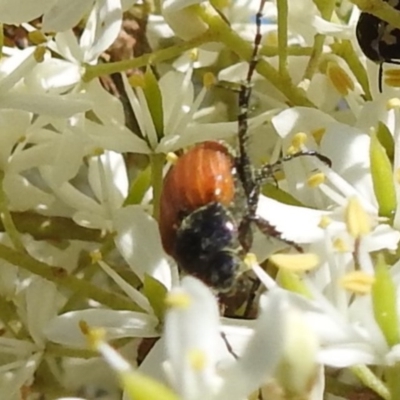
<point x="378" y="40"/>
<point x="209" y="201"/>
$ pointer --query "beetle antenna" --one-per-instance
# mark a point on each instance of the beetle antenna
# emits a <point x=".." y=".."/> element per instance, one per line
<point x="244" y="167"/>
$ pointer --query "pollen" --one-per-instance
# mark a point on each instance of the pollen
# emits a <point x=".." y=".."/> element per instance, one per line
<point x="197" y="359"/>
<point x="209" y="80"/>
<point x="324" y="222"/>
<point x="137" y="80"/>
<point x="295" y="262"/>
<point x="318" y="134"/>
<point x="94" y="335"/>
<point x="357" y="282"/>
<point x="316" y="179"/>
<point x="97" y="151"/>
<point x="392" y="77"/>
<point x="393" y="103"/>
<point x="172" y="158"/>
<point x="39" y="53"/>
<point x="299" y="139"/>
<point x="340" y="245"/>
<point x="339" y="78"/>
<point x="96" y="256"/>
<point x="178" y="300"/>
<point x="194" y="54"/>
<point x="250" y="259"/>
<point x="357" y="220"/>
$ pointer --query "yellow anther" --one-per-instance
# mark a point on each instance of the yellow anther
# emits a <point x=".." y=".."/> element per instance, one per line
<point x="295" y="262"/>
<point x="197" y="359"/>
<point x="39" y="53"/>
<point x="249" y="260"/>
<point x="94" y="336"/>
<point x="397" y="175"/>
<point x="392" y="77"/>
<point x="357" y="282"/>
<point x="209" y="80"/>
<point x="340" y="245"/>
<point x="96" y="256"/>
<point x="357" y="220"/>
<point x="137" y="80"/>
<point x="172" y="158"/>
<point x="316" y="179"/>
<point x="393" y="103"/>
<point x="194" y="54"/>
<point x="318" y="134"/>
<point x="97" y="151"/>
<point x="324" y="222"/>
<point x="292" y="150"/>
<point x="37" y="37"/>
<point x="299" y="139"/>
<point x="339" y="78"/>
<point x="178" y="300"/>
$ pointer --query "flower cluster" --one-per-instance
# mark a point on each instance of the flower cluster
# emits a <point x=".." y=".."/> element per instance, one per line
<point x="95" y="97"/>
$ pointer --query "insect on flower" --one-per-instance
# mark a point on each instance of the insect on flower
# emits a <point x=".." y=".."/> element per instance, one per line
<point x="209" y="201"/>
<point x="379" y="41"/>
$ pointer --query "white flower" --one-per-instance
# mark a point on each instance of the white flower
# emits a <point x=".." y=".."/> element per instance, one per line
<point x="197" y="361"/>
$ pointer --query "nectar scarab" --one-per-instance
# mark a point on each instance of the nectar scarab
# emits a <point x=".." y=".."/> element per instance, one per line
<point x="197" y="229"/>
<point x="209" y="199"/>
<point x="379" y="41"/>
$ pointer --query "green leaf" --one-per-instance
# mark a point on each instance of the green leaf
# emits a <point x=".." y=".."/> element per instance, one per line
<point x="154" y="101"/>
<point x="385" y="139"/>
<point x="141" y="387"/>
<point x="139" y="187"/>
<point x="292" y="282"/>
<point x="384" y="302"/>
<point x="273" y="192"/>
<point x="155" y="292"/>
<point x="382" y="178"/>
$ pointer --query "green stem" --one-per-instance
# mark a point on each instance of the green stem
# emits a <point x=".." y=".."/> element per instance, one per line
<point x="94" y="71"/>
<point x="42" y="227"/>
<point x="345" y="50"/>
<point x="283" y="10"/>
<point x="271" y="51"/>
<point x="7" y="220"/>
<point x="381" y="9"/>
<point x="60" y="277"/>
<point x="370" y="380"/>
<point x="392" y="380"/>
<point x="157" y="165"/>
<point x="313" y="61"/>
<point x="234" y="42"/>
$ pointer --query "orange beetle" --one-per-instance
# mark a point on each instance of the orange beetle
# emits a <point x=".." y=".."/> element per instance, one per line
<point x="197" y="226"/>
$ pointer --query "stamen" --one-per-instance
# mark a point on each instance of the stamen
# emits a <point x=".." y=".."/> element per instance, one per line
<point x="295" y="262"/>
<point x="172" y="158"/>
<point x="339" y="78"/>
<point x="393" y="103"/>
<point x="178" y="300"/>
<point x="316" y="179"/>
<point x="357" y="220"/>
<point x="357" y="282"/>
<point x="96" y="256"/>
<point x="197" y="359"/>
<point x="137" y="80"/>
<point x="208" y="80"/>
<point x="324" y="222"/>
<point x="318" y="134"/>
